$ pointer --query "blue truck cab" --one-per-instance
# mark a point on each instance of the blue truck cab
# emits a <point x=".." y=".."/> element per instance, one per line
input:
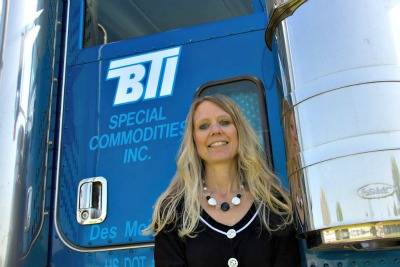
<point x="94" y="96"/>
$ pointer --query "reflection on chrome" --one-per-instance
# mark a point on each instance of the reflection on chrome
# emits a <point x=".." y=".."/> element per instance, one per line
<point x="26" y="77"/>
<point x="340" y="107"/>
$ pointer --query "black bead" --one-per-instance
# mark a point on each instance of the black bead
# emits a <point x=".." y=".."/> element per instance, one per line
<point x="239" y="195"/>
<point x="225" y="206"/>
<point x="208" y="197"/>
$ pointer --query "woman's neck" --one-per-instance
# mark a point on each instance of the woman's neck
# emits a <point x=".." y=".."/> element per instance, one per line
<point x="222" y="178"/>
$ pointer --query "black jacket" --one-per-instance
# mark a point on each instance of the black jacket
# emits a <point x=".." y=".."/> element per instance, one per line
<point x="252" y="246"/>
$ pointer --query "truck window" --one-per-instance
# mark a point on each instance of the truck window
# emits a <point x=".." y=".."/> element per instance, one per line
<point x="248" y="94"/>
<point x="109" y="21"/>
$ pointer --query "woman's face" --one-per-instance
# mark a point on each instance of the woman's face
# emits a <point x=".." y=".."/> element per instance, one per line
<point x="215" y="135"/>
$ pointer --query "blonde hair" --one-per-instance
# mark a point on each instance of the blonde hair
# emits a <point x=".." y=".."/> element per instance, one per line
<point x="185" y="190"/>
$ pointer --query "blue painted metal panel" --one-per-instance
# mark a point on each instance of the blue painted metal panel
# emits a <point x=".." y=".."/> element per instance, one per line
<point x="90" y="132"/>
<point x="118" y="258"/>
<point x="389" y="258"/>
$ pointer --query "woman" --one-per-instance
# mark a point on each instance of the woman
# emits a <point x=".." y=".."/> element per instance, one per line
<point x="224" y="207"/>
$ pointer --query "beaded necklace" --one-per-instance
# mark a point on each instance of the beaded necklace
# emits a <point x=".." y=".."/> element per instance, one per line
<point x="224" y="206"/>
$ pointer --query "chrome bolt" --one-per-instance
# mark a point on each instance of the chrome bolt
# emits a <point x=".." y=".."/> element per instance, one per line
<point x="85" y="214"/>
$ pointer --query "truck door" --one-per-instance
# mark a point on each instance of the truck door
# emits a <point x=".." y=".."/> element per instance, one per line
<point x="131" y="71"/>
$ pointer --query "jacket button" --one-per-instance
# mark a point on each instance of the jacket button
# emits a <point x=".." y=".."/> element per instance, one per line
<point x="232" y="262"/>
<point x="231" y="233"/>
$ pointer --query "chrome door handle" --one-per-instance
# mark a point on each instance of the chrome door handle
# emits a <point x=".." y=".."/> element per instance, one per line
<point x="92" y="200"/>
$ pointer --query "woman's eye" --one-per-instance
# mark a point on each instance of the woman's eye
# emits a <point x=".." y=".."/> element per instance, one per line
<point x="224" y="122"/>
<point x="203" y="126"/>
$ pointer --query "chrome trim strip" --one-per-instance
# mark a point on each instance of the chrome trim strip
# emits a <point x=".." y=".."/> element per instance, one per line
<point x="57" y="227"/>
<point x="361" y="232"/>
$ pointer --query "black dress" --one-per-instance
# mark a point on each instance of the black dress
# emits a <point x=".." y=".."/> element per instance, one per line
<point x="249" y="244"/>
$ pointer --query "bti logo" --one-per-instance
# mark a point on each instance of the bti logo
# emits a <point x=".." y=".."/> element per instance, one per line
<point x="131" y="71"/>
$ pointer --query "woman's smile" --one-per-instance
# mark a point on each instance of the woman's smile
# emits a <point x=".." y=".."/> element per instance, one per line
<point x="218" y="143"/>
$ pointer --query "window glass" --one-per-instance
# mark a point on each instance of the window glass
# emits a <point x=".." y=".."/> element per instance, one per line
<point x="250" y="99"/>
<point x="109" y="21"/>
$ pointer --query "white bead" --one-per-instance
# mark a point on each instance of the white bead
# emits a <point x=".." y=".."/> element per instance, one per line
<point x="212" y="202"/>
<point x="235" y="201"/>
<point x="231" y="233"/>
<point x="232" y="262"/>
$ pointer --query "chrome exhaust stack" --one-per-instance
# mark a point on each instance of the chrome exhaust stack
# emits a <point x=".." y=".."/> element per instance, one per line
<point x="339" y="72"/>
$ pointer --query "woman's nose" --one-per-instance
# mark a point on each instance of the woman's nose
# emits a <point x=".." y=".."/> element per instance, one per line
<point x="216" y="129"/>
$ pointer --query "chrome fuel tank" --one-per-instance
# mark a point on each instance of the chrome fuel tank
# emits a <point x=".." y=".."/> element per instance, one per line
<point x="339" y="64"/>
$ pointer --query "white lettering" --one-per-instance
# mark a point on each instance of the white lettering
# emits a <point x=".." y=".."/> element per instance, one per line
<point x="132" y="71"/>
<point x="130" y="87"/>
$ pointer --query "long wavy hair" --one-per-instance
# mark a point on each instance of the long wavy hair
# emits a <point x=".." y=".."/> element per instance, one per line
<point x="180" y="206"/>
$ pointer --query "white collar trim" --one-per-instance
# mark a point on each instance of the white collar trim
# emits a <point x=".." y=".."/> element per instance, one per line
<point x="229" y="233"/>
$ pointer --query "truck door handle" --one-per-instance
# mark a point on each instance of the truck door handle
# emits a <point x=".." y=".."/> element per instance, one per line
<point x="92" y="200"/>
